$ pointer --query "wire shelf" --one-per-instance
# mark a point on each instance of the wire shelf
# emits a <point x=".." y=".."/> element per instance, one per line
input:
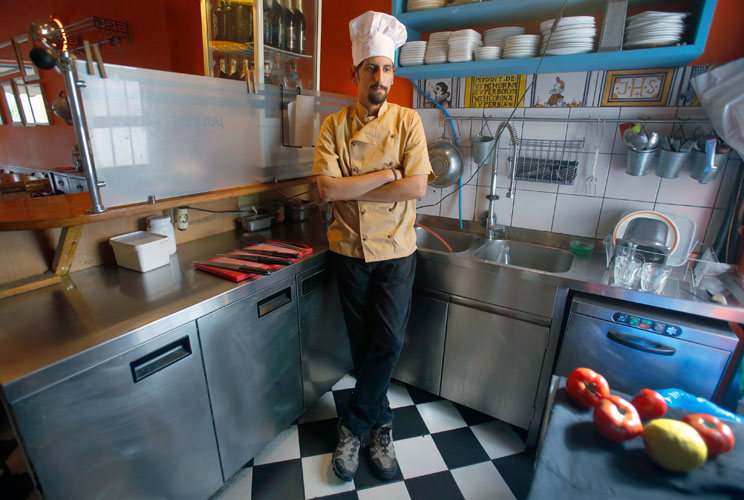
<point x="551" y="161"/>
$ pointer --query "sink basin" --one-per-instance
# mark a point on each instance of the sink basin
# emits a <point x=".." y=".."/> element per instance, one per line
<point x="551" y="260"/>
<point x="459" y="242"/>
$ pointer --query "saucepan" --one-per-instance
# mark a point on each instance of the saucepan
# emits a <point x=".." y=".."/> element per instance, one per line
<point x="446" y="161"/>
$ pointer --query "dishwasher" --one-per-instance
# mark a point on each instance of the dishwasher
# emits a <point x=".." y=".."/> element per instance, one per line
<point x="636" y="346"/>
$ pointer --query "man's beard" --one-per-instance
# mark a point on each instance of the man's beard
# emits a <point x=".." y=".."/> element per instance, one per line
<point x="376" y="98"/>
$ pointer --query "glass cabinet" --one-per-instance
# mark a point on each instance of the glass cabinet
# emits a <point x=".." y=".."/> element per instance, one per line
<point x="263" y="41"/>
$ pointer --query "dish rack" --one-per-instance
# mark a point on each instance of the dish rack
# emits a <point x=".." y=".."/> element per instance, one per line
<point x="551" y="161"/>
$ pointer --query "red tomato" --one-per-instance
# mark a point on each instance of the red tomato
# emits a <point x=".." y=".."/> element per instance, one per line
<point x="587" y="387"/>
<point x="616" y="419"/>
<point x="650" y="404"/>
<point x="718" y="437"/>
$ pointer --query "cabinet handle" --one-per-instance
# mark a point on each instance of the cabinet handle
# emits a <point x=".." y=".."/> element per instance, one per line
<point x="641" y="344"/>
<point x="274" y="302"/>
<point x="314" y="282"/>
<point x="160" y="358"/>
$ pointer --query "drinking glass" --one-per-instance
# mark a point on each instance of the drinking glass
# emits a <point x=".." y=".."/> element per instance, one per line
<point x="654" y="277"/>
<point x="626" y="270"/>
<point x="326" y="212"/>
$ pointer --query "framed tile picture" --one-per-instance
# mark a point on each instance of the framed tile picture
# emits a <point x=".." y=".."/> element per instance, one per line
<point x="639" y="87"/>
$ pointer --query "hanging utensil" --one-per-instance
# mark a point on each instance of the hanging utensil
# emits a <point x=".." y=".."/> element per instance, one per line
<point x="446" y="162"/>
<point x="591" y="181"/>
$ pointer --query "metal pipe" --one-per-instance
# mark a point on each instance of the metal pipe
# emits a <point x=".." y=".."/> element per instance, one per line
<point x="67" y="67"/>
<point x="491" y="216"/>
<point x="564" y="120"/>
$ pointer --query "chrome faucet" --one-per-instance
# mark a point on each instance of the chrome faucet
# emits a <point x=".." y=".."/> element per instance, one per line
<point x="491" y="226"/>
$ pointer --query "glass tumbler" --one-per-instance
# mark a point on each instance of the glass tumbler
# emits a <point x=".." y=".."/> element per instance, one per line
<point x="626" y="270"/>
<point x="654" y="277"/>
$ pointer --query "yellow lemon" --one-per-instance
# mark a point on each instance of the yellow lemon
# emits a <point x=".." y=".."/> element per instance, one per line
<point x="674" y="445"/>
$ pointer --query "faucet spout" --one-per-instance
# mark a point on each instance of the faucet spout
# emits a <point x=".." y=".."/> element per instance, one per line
<point x="491" y="226"/>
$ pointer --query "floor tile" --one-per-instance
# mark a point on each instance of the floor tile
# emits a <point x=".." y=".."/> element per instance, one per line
<point x="518" y="471"/>
<point x="418" y="456"/>
<point x="346" y="495"/>
<point x="441" y="486"/>
<point x="398" y="395"/>
<point x="278" y="481"/>
<point x="323" y="409"/>
<point x="365" y="478"/>
<point x="459" y="447"/>
<point x="392" y="491"/>
<point x="498" y="439"/>
<point x="420" y="396"/>
<point x="317" y="438"/>
<point x="238" y="487"/>
<point x="407" y="423"/>
<point x="348" y="381"/>
<point x="286" y="446"/>
<point x="441" y="416"/>
<point x="472" y="417"/>
<point x="319" y="479"/>
<point x="482" y="482"/>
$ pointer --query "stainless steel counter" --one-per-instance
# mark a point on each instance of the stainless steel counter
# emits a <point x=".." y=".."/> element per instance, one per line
<point x="98" y="313"/>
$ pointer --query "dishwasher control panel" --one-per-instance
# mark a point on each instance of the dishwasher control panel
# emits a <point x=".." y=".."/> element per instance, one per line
<point x="646" y="324"/>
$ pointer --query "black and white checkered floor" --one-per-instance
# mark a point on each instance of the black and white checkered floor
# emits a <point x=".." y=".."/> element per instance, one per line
<point x="445" y="451"/>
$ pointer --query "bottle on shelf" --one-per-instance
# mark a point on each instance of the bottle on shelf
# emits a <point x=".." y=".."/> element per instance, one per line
<point x="223" y="69"/>
<point x="267" y="71"/>
<point x="243" y="19"/>
<point x="229" y="34"/>
<point x="277" y="28"/>
<point x="267" y="33"/>
<point x="234" y="71"/>
<point x="218" y="21"/>
<point x="245" y="69"/>
<point x="292" y="80"/>
<point x="300" y="23"/>
<point x="276" y="77"/>
<point x="291" y="23"/>
<point x="285" y="21"/>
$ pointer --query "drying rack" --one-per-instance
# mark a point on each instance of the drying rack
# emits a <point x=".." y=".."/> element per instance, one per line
<point x="544" y="160"/>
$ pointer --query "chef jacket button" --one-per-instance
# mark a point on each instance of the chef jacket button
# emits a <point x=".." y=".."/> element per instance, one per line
<point x="390" y="209"/>
<point x="390" y="236"/>
<point x="353" y="143"/>
<point x="364" y="211"/>
<point x="356" y="169"/>
<point x="364" y="237"/>
<point x="392" y="136"/>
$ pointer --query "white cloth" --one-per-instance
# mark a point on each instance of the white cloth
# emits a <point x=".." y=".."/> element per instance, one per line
<point x="375" y="34"/>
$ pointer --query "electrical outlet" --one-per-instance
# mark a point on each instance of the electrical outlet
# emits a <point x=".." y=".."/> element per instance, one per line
<point x="182" y="219"/>
<point x="247" y="201"/>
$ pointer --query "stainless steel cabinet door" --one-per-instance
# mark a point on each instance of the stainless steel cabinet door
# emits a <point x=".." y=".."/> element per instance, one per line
<point x="252" y="359"/>
<point x="492" y="363"/>
<point x="326" y="356"/>
<point x="136" y="426"/>
<point x="420" y="362"/>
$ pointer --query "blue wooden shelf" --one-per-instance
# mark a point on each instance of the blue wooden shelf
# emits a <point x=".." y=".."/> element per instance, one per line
<point x="504" y="12"/>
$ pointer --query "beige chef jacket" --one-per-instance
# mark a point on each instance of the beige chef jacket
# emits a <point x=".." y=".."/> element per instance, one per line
<point x="350" y="143"/>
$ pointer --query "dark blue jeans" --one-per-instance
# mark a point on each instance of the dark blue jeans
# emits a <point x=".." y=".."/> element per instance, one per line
<point x="376" y="300"/>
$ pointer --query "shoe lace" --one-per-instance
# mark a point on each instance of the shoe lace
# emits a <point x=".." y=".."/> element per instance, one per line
<point x="355" y="444"/>
<point x="385" y="437"/>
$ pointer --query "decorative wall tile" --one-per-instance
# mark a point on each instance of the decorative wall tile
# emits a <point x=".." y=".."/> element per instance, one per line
<point x="559" y="90"/>
<point x="613" y="210"/>
<point x="446" y="91"/>
<point x="594" y="89"/>
<point x="630" y="187"/>
<point x="503" y="206"/>
<point x="580" y="186"/>
<point x="577" y="215"/>
<point x="640" y="87"/>
<point x="686" y="94"/>
<point x="503" y="91"/>
<point x="533" y="210"/>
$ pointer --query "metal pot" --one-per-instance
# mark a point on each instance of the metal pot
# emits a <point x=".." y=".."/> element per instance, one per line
<point x="446" y="161"/>
<point x="298" y="212"/>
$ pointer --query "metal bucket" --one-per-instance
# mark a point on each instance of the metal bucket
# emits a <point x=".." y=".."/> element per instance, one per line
<point x="698" y="161"/>
<point x="641" y="162"/>
<point x="671" y="163"/>
<point x="482" y="148"/>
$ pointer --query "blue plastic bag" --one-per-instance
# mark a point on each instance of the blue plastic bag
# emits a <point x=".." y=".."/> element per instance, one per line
<point x="677" y="398"/>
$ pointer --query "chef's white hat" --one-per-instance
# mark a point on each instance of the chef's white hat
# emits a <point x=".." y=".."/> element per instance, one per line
<point x="375" y="34"/>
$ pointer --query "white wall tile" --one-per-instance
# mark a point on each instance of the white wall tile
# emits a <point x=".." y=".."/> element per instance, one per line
<point x="533" y="210"/>
<point x="580" y="187"/>
<point x="630" y="187"/>
<point x="433" y="195"/>
<point x="503" y="206"/>
<point x="684" y="190"/>
<point x="577" y="215"/>
<point x="641" y="114"/>
<point x="700" y="216"/>
<point x="544" y="129"/>
<point x="587" y="130"/>
<point x="613" y="210"/>
<point x="715" y="225"/>
<point x="728" y="183"/>
<point x="450" y="204"/>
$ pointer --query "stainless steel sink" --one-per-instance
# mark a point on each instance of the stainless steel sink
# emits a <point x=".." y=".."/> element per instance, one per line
<point x="551" y="260"/>
<point x="458" y="242"/>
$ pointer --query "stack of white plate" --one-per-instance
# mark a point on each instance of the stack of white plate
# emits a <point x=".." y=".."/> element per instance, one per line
<point x="521" y="46"/>
<point x="412" y="53"/>
<point x="414" y="5"/>
<point x="654" y="29"/>
<point x="461" y="44"/>
<point x="573" y="35"/>
<point x="487" y="53"/>
<point x="436" y="50"/>
<point x="495" y="37"/>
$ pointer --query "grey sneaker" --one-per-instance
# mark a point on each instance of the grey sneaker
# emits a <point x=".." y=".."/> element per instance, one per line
<point x="382" y="452"/>
<point x="346" y="457"/>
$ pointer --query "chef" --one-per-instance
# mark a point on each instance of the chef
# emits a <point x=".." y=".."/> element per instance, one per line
<point x="372" y="163"/>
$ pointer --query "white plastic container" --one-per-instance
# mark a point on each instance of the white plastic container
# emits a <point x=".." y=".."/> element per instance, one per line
<point x="161" y="224"/>
<point x="140" y="250"/>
